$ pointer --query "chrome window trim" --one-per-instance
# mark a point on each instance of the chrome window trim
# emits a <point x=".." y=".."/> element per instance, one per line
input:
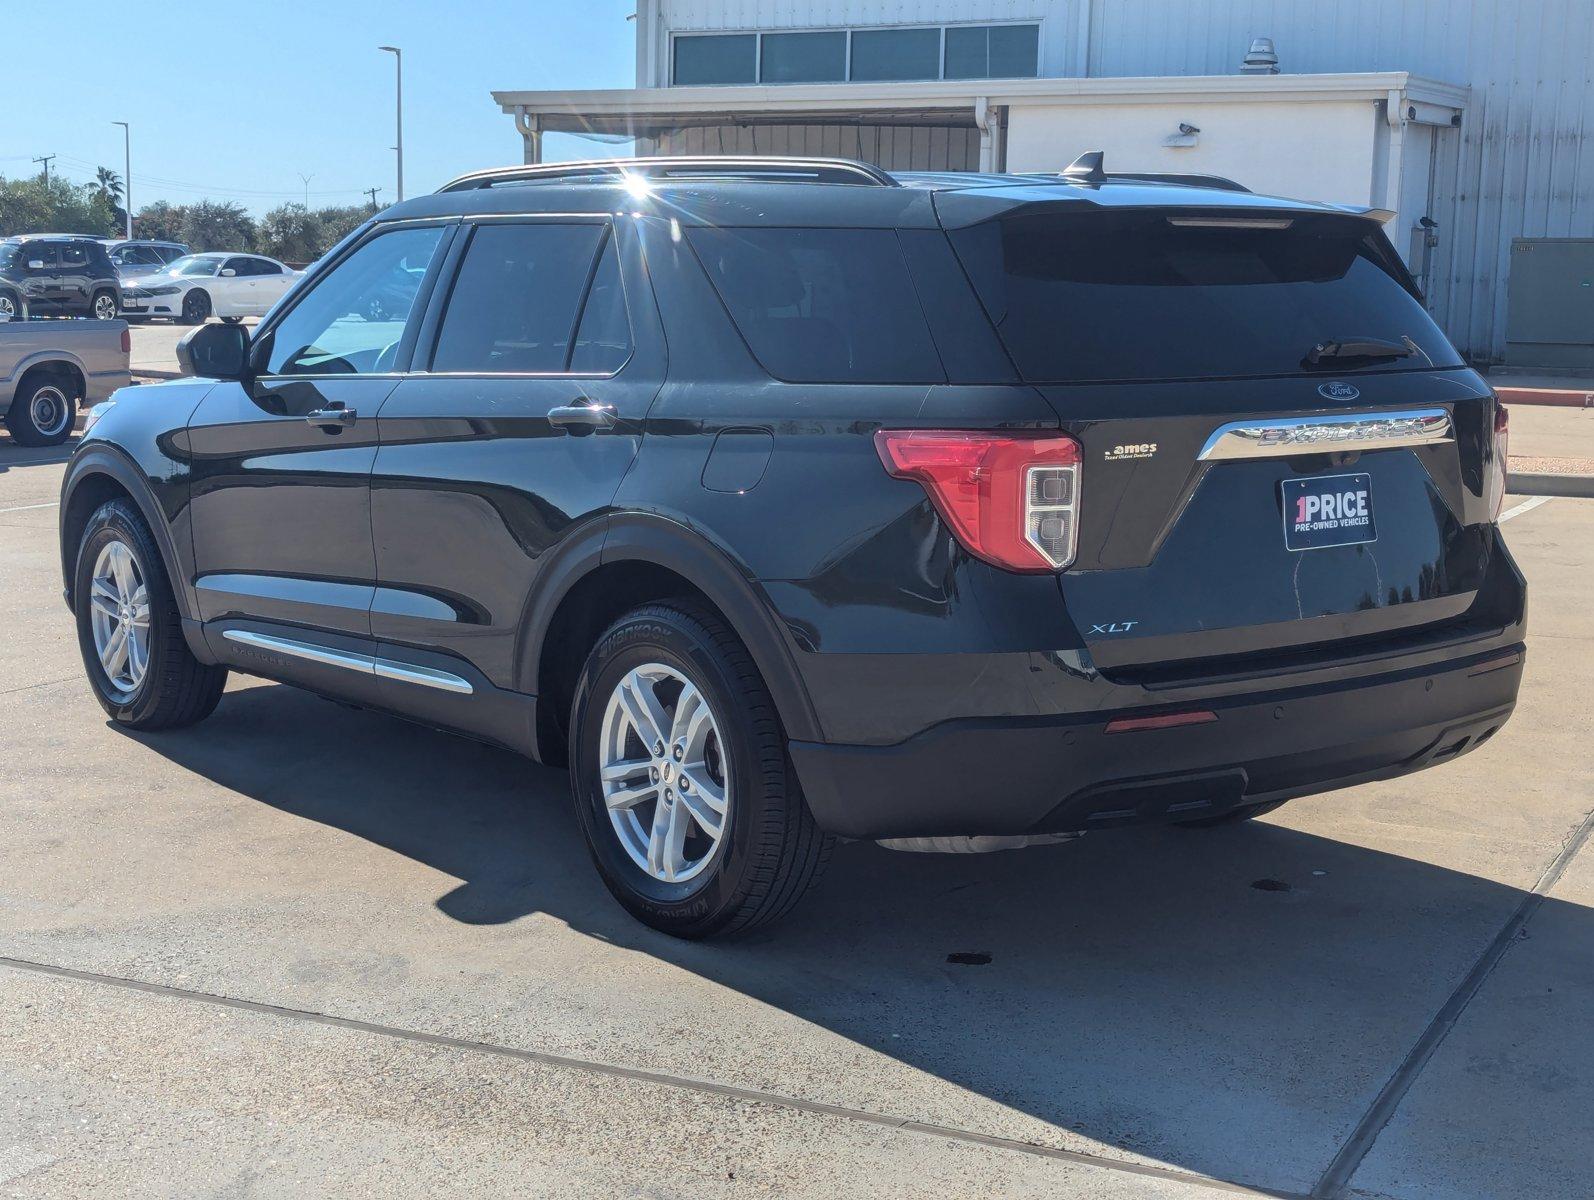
<point x="1334" y="433"/>
<point x="365" y="664"/>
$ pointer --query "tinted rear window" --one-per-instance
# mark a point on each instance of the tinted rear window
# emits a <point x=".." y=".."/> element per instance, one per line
<point x="1134" y="296"/>
<point x="822" y="305"/>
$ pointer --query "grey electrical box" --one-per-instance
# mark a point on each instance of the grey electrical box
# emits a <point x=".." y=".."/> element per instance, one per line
<point x="1550" y="303"/>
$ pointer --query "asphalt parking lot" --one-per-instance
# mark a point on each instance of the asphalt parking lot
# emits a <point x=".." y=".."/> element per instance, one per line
<point x="301" y="949"/>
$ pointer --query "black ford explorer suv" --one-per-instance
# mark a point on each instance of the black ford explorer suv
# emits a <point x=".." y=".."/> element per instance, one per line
<point x="788" y="500"/>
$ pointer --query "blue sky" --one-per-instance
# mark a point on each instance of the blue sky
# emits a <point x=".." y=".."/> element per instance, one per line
<point x="233" y="101"/>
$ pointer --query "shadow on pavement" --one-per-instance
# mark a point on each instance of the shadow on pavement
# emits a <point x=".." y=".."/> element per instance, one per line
<point x="1227" y="1002"/>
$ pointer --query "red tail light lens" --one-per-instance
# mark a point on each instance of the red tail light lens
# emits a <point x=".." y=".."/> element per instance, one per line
<point x="127" y="341"/>
<point x="1010" y="499"/>
<point x="1497" y="469"/>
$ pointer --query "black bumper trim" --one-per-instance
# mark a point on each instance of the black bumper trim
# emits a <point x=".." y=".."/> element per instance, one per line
<point x="1009" y="776"/>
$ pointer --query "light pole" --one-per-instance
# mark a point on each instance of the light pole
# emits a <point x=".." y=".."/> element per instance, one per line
<point x="307" y="179"/>
<point x="127" y="175"/>
<point x="398" y="65"/>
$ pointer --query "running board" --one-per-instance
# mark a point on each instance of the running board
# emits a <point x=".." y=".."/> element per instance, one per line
<point x="1285" y="437"/>
<point x="365" y="664"/>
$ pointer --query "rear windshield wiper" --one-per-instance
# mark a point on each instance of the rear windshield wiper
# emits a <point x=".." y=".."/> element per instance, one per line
<point x="1357" y="348"/>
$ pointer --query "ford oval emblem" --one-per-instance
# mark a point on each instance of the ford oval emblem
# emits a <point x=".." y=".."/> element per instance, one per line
<point x="1337" y="391"/>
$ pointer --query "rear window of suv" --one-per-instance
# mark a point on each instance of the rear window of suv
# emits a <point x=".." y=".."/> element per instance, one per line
<point x="822" y="305"/>
<point x="1159" y="295"/>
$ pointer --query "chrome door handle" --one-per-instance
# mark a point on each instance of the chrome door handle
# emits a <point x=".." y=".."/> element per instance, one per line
<point x="581" y="417"/>
<point x="334" y="418"/>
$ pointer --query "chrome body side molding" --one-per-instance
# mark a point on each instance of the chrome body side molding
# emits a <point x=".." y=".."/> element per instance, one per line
<point x="1284" y="437"/>
<point x="364" y="663"/>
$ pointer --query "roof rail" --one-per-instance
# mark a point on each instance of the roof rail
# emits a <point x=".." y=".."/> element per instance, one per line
<point x="720" y="166"/>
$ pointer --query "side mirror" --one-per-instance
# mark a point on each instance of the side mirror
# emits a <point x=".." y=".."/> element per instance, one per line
<point x="228" y="272"/>
<point x="35" y="264"/>
<point x="215" y="352"/>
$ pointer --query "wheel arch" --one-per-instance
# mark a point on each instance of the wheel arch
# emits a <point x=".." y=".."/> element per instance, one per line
<point x="53" y="362"/>
<point x="631" y="559"/>
<point x="98" y="474"/>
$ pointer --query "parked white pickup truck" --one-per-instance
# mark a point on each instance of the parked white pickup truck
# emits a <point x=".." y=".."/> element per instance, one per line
<point x="50" y="369"/>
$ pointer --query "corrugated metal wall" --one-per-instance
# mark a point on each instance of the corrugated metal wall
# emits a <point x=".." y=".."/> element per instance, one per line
<point x="896" y="148"/>
<point x="1522" y="165"/>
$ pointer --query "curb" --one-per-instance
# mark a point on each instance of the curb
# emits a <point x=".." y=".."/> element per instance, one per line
<point x="153" y="373"/>
<point x="1578" y="487"/>
<point x="1555" y="397"/>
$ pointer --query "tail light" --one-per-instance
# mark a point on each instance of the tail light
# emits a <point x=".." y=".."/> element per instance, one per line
<point x="127" y="341"/>
<point x="1010" y="499"/>
<point x="1497" y="468"/>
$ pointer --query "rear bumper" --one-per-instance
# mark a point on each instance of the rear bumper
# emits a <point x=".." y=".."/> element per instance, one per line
<point x="1014" y="775"/>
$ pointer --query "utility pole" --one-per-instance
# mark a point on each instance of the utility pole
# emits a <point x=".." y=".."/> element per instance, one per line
<point x="307" y="179"/>
<point x="127" y="175"/>
<point x="371" y="192"/>
<point x="46" y="159"/>
<point x="398" y="65"/>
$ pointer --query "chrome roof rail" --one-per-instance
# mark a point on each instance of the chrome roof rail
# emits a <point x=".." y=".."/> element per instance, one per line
<point x="721" y="166"/>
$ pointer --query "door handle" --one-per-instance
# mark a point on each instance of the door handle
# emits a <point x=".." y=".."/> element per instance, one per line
<point x="331" y="418"/>
<point x="581" y="417"/>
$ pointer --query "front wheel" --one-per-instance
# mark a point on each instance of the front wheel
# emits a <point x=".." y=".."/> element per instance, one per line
<point x="196" y="307"/>
<point x="682" y="786"/>
<point x="129" y="630"/>
<point x="11" y="306"/>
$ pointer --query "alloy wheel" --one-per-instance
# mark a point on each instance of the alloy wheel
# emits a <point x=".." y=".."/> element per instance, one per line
<point x="105" y="306"/>
<point x="664" y="774"/>
<point x="8" y="306"/>
<point x="119" y="616"/>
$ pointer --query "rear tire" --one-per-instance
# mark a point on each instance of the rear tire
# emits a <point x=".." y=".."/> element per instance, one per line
<point x="43" y="410"/>
<point x="161" y="686"/>
<point x="103" y="305"/>
<point x="767" y="850"/>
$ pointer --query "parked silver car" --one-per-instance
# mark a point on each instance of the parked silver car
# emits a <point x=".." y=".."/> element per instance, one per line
<point x="50" y="369"/>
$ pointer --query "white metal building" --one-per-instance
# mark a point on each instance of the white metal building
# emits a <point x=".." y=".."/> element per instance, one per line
<point x="1466" y="118"/>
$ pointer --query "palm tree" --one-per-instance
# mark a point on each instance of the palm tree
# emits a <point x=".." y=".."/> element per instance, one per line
<point x="108" y="183"/>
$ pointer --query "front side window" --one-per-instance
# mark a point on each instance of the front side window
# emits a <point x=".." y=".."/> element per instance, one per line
<point x="822" y="305"/>
<point x="196" y="265"/>
<point x="44" y="255"/>
<point x="513" y="306"/>
<point x="351" y="321"/>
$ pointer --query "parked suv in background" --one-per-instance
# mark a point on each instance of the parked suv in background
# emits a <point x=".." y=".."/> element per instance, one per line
<point x="789" y="499"/>
<point x="51" y="275"/>
<point x="133" y="259"/>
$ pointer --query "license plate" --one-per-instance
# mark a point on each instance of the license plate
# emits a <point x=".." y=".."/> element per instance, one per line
<point x="1332" y="510"/>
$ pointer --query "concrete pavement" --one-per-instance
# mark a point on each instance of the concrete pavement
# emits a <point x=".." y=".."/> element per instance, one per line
<point x="1164" y="1014"/>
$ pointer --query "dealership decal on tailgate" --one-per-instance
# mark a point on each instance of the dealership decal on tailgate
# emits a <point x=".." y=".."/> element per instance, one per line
<point x="1332" y="511"/>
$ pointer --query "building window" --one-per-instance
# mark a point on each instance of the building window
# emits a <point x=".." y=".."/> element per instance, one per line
<point x="861" y="55"/>
<point x="992" y="51"/>
<point x="719" y="58"/>
<point x="803" y="57"/>
<point x="879" y="54"/>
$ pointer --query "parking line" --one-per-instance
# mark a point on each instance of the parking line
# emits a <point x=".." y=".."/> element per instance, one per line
<point x="660" y="1079"/>
<point x="26" y="507"/>
<point x="1525" y="506"/>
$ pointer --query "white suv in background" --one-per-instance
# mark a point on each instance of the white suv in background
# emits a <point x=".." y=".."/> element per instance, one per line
<point x="230" y="286"/>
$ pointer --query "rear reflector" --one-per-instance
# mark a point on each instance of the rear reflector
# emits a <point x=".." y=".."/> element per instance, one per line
<point x="1165" y="721"/>
<point x="1010" y="499"/>
<point x="1497" y="663"/>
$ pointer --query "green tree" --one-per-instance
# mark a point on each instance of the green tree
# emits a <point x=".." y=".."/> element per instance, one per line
<point x="292" y="233"/>
<point x="338" y="223"/>
<point x="32" y="206"/>
<point x="209" y="225"/>
<point x="160" y="221"/>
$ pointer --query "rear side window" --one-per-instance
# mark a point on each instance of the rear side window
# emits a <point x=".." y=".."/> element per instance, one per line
<point x="1142" y="296"/>
<point x="603" y="339"/>
<point x="822" y="305"/>
<point x="514" y="303"/>
<point x="73" y="254"/>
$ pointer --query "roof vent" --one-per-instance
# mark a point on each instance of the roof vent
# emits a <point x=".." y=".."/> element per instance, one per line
<point x="1087" y="168"/>
<point x="1261" y="58"/>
